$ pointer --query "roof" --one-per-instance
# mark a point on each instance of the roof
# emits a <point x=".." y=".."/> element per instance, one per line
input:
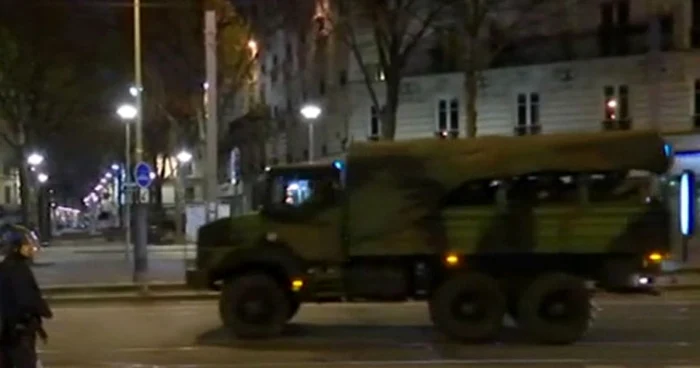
<point x="503" y="156"/>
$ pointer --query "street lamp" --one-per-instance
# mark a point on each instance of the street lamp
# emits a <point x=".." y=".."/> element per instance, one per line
<point x="115" y="167"/>
<point x="127" y="112"/>
<point x="43" y="178"/>
<point x="184" y="157"/>
<point x="35" y="159"/>
<point x="311" y="112"/>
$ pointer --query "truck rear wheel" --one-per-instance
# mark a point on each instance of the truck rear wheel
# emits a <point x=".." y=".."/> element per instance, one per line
<point x="254" y="306"/>
<point x="555" y="309"/>
<point x="468" y="307"/>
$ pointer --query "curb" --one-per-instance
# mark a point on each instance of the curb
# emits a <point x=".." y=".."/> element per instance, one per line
<point x="112" y="288"/>
<point x="130" y="298"/>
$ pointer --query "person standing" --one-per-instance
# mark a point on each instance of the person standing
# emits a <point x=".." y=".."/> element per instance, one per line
<point x="23" y="307"/>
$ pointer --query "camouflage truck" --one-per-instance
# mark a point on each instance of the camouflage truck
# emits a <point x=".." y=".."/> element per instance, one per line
<point x="480" y="228"/>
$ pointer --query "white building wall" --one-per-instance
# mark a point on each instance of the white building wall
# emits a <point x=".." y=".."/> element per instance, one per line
<point x="576" y="105"/>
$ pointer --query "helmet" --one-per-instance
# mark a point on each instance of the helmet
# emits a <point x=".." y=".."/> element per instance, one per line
<point x="14" y="236"/>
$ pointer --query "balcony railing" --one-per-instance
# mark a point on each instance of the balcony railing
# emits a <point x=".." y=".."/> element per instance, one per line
<point x="523" y="130"/>
<point x="611" y="125"/>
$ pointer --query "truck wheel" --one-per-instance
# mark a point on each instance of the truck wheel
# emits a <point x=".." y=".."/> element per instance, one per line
<point x="254" y="306"/>
<point x="555" y="309"/>
<point x="468" y="307"/>
<point x="294" y="305"/>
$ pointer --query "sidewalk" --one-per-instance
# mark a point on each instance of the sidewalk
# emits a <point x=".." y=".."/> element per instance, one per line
<point x="86" y="272"/>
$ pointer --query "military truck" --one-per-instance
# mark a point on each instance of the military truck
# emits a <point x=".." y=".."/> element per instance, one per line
<point x="479" y="228"/>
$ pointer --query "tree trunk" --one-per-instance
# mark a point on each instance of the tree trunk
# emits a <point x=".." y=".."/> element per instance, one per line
<point x="471" y="90"/>
<point x="388" y="112"/>
<point x="25" y="192"/>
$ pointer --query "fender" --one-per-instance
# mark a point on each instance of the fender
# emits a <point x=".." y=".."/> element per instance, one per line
<point x="270" y="254"/>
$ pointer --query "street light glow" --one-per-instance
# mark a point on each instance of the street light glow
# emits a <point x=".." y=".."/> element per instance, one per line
<point x="103" y="181"/>
<point x="133" y="91"/>
<point x="184" y="156"/>
<point x="115" y="167"/>
<point x="127" y="112"/>
<point x="108" y="175"/>
<point x="99" y="188"/>
<point x="35" y="159"/>
<point x="43" y="178"/>
<point x="311" y="112"/>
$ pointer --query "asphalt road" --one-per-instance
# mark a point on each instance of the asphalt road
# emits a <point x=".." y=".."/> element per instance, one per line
<point x="640" y="332"/>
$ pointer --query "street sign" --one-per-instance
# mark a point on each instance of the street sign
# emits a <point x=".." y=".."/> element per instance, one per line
<point x="142" y="173"/>
<point x="144" y="195"/>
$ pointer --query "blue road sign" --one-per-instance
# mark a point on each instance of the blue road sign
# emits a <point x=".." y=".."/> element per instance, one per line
<point x="142" y="173"/>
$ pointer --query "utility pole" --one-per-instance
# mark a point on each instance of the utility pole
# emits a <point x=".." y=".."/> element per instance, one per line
<point x="141" y="236"/>
<point x="212" y="125"/>
<point x="655" y="63"/>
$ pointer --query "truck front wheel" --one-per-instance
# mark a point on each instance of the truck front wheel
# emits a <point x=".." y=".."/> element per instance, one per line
<point x="555" y="309"/>
<point x="468" y="307"/>
<point x="254" y="306"/>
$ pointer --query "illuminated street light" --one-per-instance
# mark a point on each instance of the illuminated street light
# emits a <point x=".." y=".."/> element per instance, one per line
<point x="115" y="167"/>
<point x="103" y="181"/>
<point x="43" y="178"/>
<point x="127" y="112"/>
<point x="99" y="188"/>
<point x="133" y="91"/>
<point x="35" y="159"/>
<point x="311" y="112"/>
<point x="108" y="175"/>
<point x="184" y="157"/>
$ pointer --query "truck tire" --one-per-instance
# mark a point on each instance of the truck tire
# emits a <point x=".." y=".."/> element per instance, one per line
<point x="555" y="309"/>
<point x="254" y="306"/>
<point x="294" y="305"/>
<point x="468" y="307"/>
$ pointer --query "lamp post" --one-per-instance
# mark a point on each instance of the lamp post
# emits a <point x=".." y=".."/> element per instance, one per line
<point x="43" y="207"/>
<point x="127" y="113"/>
<point x="311" y="113"/>
<point x="184" y="157"/>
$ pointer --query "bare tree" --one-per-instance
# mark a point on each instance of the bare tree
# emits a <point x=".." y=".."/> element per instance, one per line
<point x="44" y="78"/>
<point x="487" y="28"/>
<point x="395" y="29"/>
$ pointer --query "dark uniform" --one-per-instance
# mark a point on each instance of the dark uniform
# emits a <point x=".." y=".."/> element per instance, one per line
<point x="21" y="304"/>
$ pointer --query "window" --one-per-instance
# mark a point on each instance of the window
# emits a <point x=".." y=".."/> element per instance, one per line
<point x="472" y="193"/>
<point x="616" y="107"/>
<point x="8" y="195"/>
<point x="343" y="77"/>
<point x="374" y="122"/>
<point x="528" y="119"/>
<point x="322" y="87"/>
<point x="696" y="104"/>
<point x="447" y="116"/>
<point x="293" y="192"/>
<point x="542" y="189"/>
<point x="614" y="22"/>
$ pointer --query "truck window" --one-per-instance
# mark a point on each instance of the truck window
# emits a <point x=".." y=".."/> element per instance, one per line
<point x="624" y="187"/>
<point x="473" y="193"/>
<point x="543" y="189"/>
<point x="293" y="192"/>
